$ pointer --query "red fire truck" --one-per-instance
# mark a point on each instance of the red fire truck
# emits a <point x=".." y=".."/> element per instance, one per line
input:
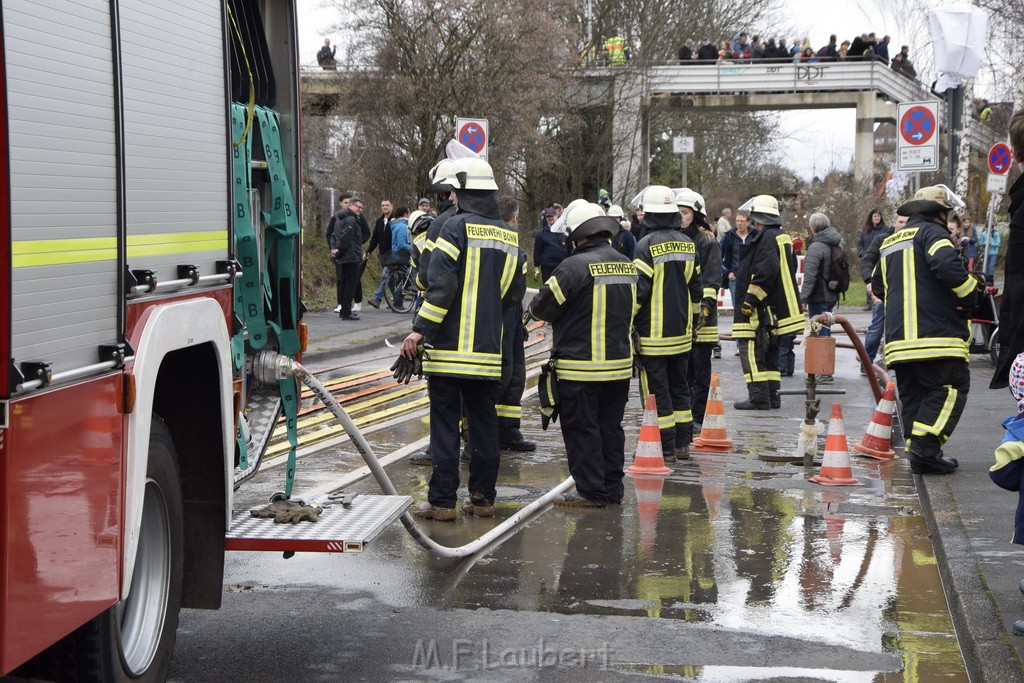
<point x="149" y="167"/>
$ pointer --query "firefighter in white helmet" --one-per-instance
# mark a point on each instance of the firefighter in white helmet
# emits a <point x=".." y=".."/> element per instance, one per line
<point x="589" y="302"/>
<point x="469" y="285"/>
<point x="767" y="305"/>
<point x="693" y="213"/>
<point x="668" y="297"/>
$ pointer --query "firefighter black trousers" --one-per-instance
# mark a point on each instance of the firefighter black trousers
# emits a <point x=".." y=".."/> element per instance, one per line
<point x="760" y="364"/>
<point x="933" y="394"/>
<point x="698" y="376"/>
<point x="665" y="377"/>
<point x="513" y="372"/>
<point x="591" y="417"/>
<point x="447" y="397"/>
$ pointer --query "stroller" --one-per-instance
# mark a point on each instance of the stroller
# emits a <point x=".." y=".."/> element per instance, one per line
<point x="985" y="325"/>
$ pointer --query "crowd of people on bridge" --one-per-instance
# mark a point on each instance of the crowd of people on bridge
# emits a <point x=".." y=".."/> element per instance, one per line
<point x="744" y="48"/>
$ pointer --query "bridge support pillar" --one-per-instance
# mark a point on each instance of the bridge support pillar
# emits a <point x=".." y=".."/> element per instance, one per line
<point x="630" y="157"/>
<point x="864" y="142"/>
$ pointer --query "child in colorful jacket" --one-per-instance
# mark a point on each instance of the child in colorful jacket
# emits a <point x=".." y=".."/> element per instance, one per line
<point x="1008" y="472"/>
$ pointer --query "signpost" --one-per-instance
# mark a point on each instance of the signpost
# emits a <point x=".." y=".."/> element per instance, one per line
<point x="917" y="145"/>
<point x="474" y="134"/>
<point x="999" y="162"/>
<point x="683" y="146"/>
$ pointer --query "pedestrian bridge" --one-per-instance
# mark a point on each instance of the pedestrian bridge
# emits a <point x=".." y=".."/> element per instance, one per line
<point x="635" y="90"/>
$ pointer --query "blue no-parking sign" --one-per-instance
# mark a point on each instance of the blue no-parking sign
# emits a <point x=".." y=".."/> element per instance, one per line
<point x="474" y="134"/>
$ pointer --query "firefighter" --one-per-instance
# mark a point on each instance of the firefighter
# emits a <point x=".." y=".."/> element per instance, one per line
<point x="709" y="256"/>
<point x="513" y="353"/>
<point x="469" y="286"/>
<point x="768" y="304"/>
<point x="589" y="302"/>
<point x="928" y="297"/>
<point x="668" y="295"/>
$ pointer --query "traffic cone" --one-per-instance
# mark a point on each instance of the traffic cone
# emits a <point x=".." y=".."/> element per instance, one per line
<point x="713" y="436"/>
<point x="835" y="466"/>
<point x="649" y="458"/>
<point x="877" y="442"/>
<point x="648" y="500"/>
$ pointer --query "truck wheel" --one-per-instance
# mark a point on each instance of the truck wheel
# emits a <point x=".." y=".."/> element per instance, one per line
<point x="137" y="634"/>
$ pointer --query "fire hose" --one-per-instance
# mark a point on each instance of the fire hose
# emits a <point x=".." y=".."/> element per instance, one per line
<point x="270" y="366"/>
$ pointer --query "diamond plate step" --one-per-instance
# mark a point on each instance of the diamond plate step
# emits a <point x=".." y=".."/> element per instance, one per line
<point x="262" y="409"/>
<point x="339" y="530"/>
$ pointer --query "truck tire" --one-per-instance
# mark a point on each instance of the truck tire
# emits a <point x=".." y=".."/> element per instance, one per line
<point x="134" y="639"/>
<point x="136" y="636"/>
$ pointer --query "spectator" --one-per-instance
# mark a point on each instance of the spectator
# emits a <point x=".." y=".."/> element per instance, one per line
<point x="989" y="247"/>
<point x="1011" y="311"/>
<point x="740" y="48"/>
<point x="732" y="246"/>
<point x="623" y="242"/>
<point x="346" y="250"/>
<point x="616" y="49"/>
<point x="400" y="242"/>
<point x="782" y="51"/>
<point x="816" y="290"/>
<point x="844" y="51"/>
<point x="771" y="49"/>
<point x="857" y="47"/>
<point x="901" y="63"/>
<point x="549" y="248"/>
<point x="325" y="56"/>
<point x="724" y="224"/>
<point x="686" y="52"/>
<point x="756" y="48"/>
<point x="707" y="51"/>
<point x="794" y="50"/>
<point x="807" y="56"/>
<point x="381" y="241"/>
<point x="636" y="225"/>
<point x="882" y="51"/>
<point x="874" y="225"/>
<point x="830" y="51"/>
<point x="423" y="205"/>
<point x="969" y="240"/>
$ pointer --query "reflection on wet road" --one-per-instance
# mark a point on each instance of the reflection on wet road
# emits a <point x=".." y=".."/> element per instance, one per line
<point x="729" y="569"/>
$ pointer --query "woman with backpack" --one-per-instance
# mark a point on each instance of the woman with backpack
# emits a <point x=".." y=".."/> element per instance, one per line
<point x="823" y="281"/>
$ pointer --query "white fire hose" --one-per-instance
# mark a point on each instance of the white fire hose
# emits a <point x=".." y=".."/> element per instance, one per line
<point x="270" y="366"/>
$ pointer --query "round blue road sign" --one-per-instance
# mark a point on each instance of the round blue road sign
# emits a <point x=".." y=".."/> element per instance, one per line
<point x="472" y="135"/>
<point x="999" y="158"/>
<point x="917" y="125"/>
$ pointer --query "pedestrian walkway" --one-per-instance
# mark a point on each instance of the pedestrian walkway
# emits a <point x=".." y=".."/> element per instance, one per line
<point x="332" y="337"/>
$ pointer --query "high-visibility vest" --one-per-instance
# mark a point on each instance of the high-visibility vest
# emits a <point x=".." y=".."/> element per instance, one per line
<point x="616" y="51"/>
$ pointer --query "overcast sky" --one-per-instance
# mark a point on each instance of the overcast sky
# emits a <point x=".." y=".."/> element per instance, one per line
<point x="815" y="141"/>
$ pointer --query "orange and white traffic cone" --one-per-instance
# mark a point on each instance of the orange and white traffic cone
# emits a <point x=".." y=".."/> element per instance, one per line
<point x="877" y="442"/>
<point x="649" y="458"/>
<point x="713" y="436"/>
<point x="835" y="466"/>
<point x="648" y="500"/>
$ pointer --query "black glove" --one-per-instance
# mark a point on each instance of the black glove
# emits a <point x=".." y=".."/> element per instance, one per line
<point x="707" y="305"/>
<point x="404" y="368"/>
<point x="966" y="307"/>
<point x="980" y="284"/>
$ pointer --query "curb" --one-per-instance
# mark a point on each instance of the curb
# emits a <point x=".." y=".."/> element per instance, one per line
<point x="984" y="642"/>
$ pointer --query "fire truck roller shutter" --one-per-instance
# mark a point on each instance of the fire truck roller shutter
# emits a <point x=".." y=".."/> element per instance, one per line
<point x="177" y="180"/>
<point x="61" y="117"/>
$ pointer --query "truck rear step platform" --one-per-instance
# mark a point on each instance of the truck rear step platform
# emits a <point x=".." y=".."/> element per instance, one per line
<point x="339" y="530"/>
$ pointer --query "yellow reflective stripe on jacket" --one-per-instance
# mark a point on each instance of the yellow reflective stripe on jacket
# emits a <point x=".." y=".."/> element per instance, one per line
<point x="707" y="334"/>
<point x="556" y="290"/>
<point x="433" y="313"/>
<point x="909" y="295"/>
<point x="594" y="371"/>
<point x="939" y="244"/>
<point x="472" y="370"/>
<point x="790" y="325"/>
<point x="905" y="350"/>
<point x="470" y="291"/>
<point x="598" y="321"/>
<point x="964" y="289"/>
<point x="643" y="267"/>
<point x="757" y="291"/>
<point x="28" y="253"/>
<point x="507" y="274"/>
<point x="710" y="293"/>
<point x="448" y="248"/>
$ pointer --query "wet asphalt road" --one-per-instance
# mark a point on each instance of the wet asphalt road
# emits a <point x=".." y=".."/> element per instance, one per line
<point x="732" y="569"/>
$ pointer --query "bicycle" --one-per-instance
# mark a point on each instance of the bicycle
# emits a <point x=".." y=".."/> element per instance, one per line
<point x="400" y="292"/>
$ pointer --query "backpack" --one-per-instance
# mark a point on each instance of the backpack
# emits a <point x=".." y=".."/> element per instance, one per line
<point x="839" y="271"/>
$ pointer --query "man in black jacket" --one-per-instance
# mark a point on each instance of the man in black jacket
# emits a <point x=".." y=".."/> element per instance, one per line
<point x="381" y="240"/>
<point x="1011" y="311"/>
<point x="346" y="250"/>
<point x="928" y="297"/>
<point x="873" y="337"/>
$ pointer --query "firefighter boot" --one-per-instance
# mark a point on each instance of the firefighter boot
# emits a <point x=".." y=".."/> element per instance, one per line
<point x="510" y="438"/>
<point x="421" y="458"/>
<point x="774" y="397"/>
<point x="757" y="397"/>
<point x="924" y="460"/>
<point x="478" y="506"/>
<point x="574" y="500"/>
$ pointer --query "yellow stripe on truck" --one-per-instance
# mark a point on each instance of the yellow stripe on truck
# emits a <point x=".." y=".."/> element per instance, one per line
<point x="29" y="253"/>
